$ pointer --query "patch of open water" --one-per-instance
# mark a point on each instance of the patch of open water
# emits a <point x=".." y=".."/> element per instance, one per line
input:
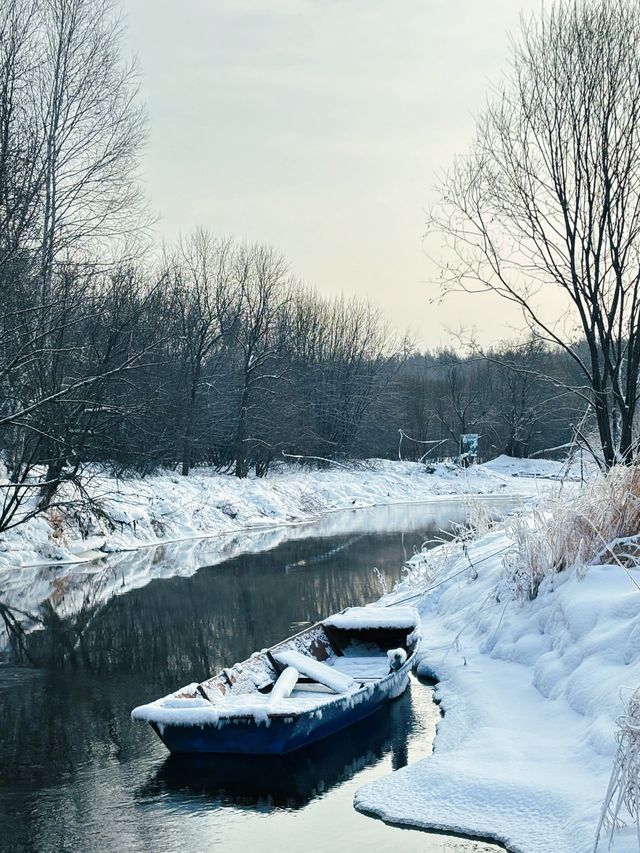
<point x="77" y="775"/>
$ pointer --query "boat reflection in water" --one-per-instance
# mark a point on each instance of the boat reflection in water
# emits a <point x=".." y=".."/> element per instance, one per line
<point x="289" y="781"/>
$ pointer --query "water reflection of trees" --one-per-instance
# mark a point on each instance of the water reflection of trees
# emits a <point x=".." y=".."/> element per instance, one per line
<point x="69" y="743"/>
<point x="73" y="609"/>
<point x="15" y="624"/>
<point x="182" y="629"/>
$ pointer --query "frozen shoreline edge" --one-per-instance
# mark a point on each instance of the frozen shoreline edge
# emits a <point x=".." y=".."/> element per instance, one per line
<point x="259" y="528"/>
<point x="530" y="693"/>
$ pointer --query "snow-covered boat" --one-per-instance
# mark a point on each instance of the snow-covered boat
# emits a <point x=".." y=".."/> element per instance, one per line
<point x="296" y="692"/>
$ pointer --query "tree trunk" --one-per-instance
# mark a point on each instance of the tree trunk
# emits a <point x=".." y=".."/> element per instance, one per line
<point x="626" y="437"/>
<point x="604" y="429"/>
<point x="187" y="443"/>
<point x="52" y="482"/>
<point x="241" y="434"/>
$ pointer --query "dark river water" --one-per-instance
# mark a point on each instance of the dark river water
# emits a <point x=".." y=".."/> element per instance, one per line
<point x="77" y="775"/>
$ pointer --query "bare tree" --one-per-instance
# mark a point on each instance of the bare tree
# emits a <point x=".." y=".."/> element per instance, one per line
<point x="70" y="132"/>
<point x="263" y="281"/>
<point x="346" y="356"/>
<point x="549" y="199"/>
<point x="462" y="398"/>
<point x="20" y="140"/>
<point x="531" y="403"/>
<point x="207" y="299"/>
<point x="92" y="128"/>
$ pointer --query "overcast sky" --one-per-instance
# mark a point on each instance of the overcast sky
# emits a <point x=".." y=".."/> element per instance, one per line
<point x="318" y="126"/>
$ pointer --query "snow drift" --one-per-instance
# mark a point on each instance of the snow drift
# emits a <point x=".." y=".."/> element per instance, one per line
<point x="531" y="685"/>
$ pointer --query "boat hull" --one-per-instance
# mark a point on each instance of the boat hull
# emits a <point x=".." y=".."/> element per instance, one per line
<point x="283" y="734"/>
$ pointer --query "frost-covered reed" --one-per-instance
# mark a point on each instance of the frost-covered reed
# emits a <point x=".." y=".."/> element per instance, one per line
<point x="599" y="524"/>
<point x="623" y="792"/>
<point x="433" y="561"/>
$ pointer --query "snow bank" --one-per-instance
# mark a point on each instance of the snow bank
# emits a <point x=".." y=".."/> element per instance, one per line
<point x="512" y="467"/>
<point x="168" y="508"/>
<point x="530" y="694"/>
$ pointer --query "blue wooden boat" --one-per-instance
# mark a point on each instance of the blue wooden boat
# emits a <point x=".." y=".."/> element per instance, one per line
<point x="299" y="691"/>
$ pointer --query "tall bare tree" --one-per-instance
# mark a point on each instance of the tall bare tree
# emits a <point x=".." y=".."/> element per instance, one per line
<point x="20" y="139"/>
<point x="549" y="200"/>
<point x="92" y="127"/>
<point x="262" y="278"/>
<point x="70" y="133"/>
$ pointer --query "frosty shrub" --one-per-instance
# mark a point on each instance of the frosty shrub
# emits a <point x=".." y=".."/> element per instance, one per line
<point x="430" y="563"/>
<point x="480" y="520"/>
<point x="624" y="786"/>
<point x="601" y="523"/>
<point x="382" y="580"/>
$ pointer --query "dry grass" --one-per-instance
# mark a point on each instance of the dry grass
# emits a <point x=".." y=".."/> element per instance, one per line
<point x="600" y="524"/>
<point x="481" y="519"/>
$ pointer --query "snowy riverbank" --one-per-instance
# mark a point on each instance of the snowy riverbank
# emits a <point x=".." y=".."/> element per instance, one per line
<point x="530" y="691"/>
<point x="132" y="513"/>
<point x="168" y="526"/>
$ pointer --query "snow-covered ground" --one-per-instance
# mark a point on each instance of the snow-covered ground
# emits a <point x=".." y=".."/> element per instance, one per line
<point x="168" y="508"/>
<point x="530" y="693"/>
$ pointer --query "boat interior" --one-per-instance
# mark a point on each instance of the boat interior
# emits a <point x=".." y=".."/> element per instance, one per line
<point x="313" y="667"/>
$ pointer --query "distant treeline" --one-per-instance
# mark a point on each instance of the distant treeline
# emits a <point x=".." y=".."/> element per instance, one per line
<point x="219" y="357"/>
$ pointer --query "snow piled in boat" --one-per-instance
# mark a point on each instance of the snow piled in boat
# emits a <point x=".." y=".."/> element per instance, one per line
<point x="531" y="693"/>
<point x="361" y="618"/>
<point x="178" y="711"/>
<point x="337" y="681"/>
<point x="358" y="618"/>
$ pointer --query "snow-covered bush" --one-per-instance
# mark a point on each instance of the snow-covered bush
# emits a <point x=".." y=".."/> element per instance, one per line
<point x="600" y="523"/>
<point x="428" y="564"/>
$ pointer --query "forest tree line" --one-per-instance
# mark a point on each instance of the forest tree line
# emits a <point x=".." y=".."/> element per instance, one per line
<point x="218" y="357"/>
<point x="209" y="352"/>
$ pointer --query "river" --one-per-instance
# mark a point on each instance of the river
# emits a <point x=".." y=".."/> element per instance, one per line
<point x="77" y="775"/>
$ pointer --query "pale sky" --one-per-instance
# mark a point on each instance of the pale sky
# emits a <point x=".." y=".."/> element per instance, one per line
<point x="319" y="126"/>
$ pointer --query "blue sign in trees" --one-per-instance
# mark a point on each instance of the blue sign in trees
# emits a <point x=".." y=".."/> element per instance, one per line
<point x="469" y="446"/>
